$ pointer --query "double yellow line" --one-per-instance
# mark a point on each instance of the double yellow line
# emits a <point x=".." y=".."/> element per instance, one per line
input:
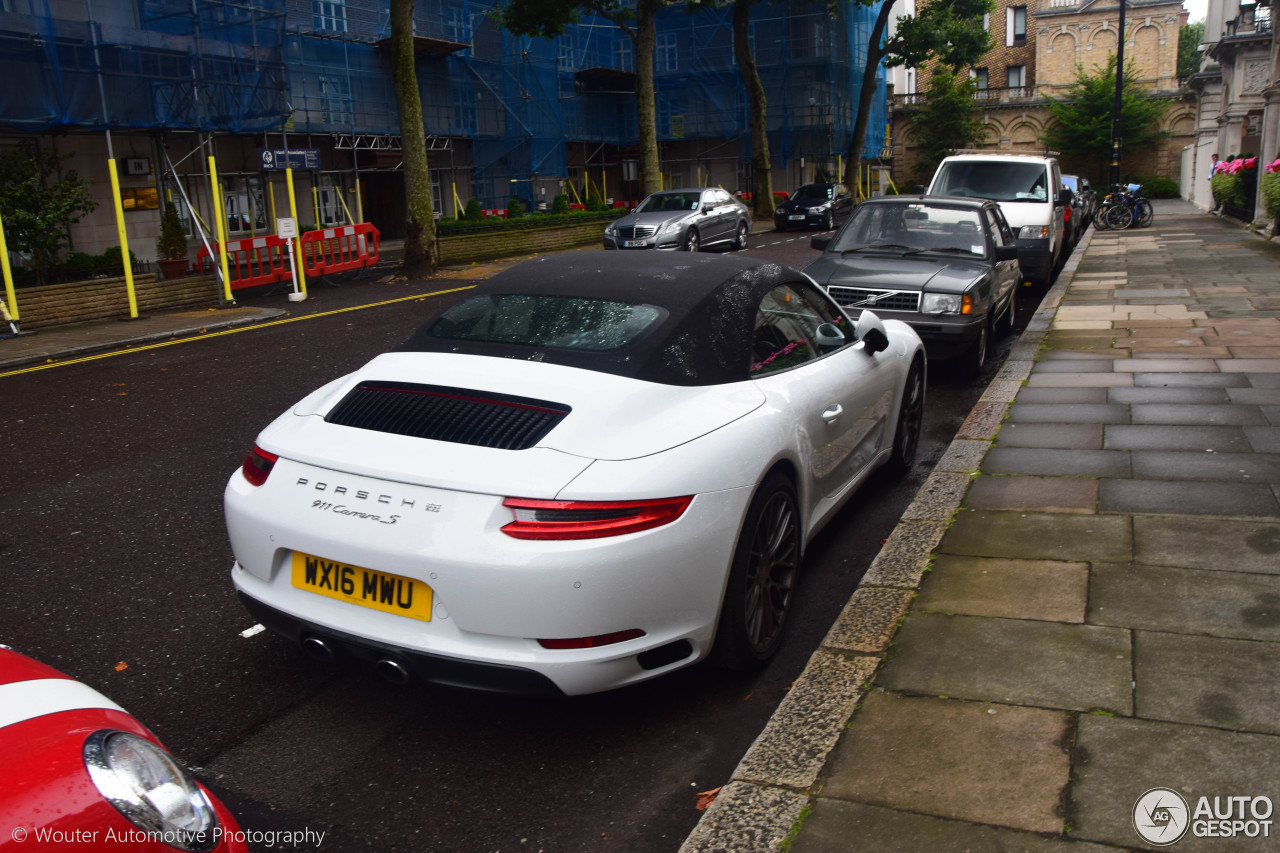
<point x="245" y="328"/>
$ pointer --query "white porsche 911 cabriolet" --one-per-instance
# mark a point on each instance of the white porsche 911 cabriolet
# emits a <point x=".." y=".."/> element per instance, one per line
<point x="593" y="469"/>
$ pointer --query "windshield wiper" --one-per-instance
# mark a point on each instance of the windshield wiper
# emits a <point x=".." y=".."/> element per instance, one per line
<point x="906" y="250"/>
<point x="956" y="250"/>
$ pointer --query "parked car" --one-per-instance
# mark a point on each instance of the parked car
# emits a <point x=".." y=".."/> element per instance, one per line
<point x="1084" y="203"/>
<point x="821" y="206"/>
<point x="688" y="219"/>
<point x="593" y="470"/>
<point x="1031" y="196"/>
<point x="945" y="266"/>
<point x="81" y="769"/>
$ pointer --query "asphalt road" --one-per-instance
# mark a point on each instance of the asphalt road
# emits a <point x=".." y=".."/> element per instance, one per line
<point x="116" y="570"/>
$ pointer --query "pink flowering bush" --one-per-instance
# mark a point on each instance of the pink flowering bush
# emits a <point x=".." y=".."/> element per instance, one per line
<point x="1273" y="166"/>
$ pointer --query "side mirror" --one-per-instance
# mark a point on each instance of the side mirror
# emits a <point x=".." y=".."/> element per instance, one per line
<point x="828" y="336"/>
<point x="870" y="330"/>
<point x="820" y="242"/>
<point x="1006" y="253"/>
<point x="918" y="189"/>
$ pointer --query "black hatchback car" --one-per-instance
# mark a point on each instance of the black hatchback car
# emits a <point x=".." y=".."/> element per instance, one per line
<point x="947" y="266"/>
<point x="821" y="206"/>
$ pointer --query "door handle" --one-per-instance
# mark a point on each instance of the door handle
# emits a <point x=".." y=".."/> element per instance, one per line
<point x="833" y="413"/>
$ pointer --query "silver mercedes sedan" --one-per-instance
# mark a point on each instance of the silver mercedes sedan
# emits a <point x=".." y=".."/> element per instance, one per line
<point x="687" y="219"/>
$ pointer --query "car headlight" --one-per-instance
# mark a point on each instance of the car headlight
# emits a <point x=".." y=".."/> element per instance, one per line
<point x="821" y="208"/>
<point x="148" y="787"/>
<point x="609" y="229"/>
<point x="941" y="303"/>
<point x="672" y="226"/>
<point x="1033" y="232"/>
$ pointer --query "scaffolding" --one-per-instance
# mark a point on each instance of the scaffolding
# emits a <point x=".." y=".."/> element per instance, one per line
<point x="518" y="111"/>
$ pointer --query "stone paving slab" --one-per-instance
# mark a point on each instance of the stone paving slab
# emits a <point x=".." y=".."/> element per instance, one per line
<point x="1191" y="601"/>
<point x="1059" y="436"/>
<point x="836" y="826"/>
<point x="1013" y="589"/>
<point x="1015" y="661"/>
<point x="1040" y="494"/>
<point x="1207" y="681"/>
<point x="1162" y="497"/>
<point x="1118" y="759"/>
<point x="1069" y="413"/>
<point x="1216" y="544"/>
<point x="1216" y="439"/>
<point x="1054" y="462"/>
<point x="971" y="761"/>
<point x="1199" y="465"/>
<point x="1040" y="536"/>
<point x="1170" y="395"/>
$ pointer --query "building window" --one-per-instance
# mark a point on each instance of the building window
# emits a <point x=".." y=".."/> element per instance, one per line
<point x="330" y="15"/>
<point x="1015" y="32"/>
<point x="335" y="101"/>
<point x="624" y="53"/>
<point x="979" y="77"/>
<point x="1017" y="76"/>
<point x="664" y="52"/>
<point x="986" y="22"/>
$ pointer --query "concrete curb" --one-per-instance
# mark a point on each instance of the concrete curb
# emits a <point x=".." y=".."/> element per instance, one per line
<point x="65" y="354"/>
<point x="773" y="787"/>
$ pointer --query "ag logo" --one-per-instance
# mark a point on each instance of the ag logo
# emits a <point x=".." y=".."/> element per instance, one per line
<point x="1161" y="816"/>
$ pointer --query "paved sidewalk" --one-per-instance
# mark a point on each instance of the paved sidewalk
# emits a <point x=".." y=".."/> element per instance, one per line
<point x="1097" y="558"/>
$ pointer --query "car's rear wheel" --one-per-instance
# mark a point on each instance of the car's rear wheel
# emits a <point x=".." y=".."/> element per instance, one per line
<point x="973" y="359"/>
<point x="762" y="579"/>
<point x="906" y="438"/>
<point x="741" y="242"/>
<point x="692" y="241"/>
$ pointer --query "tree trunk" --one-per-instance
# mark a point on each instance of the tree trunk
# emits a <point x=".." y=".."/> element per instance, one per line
<point x="421" y="254"/>
<point x="762" y="192"/>
<point x="646" y="103"/>
<point x="875" y="52"/>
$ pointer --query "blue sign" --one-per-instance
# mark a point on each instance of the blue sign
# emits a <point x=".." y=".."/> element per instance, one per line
<point x="279" y="159"/>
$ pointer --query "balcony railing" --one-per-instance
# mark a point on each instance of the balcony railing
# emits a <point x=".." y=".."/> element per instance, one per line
<point x="1006" y="95"/>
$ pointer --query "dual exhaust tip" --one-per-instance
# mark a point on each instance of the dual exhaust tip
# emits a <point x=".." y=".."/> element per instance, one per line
<point x="389" y="669"/>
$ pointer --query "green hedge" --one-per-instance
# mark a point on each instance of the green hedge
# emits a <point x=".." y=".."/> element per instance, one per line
<point x="1227" y="189"/>
<point x="1270" y="189"/>
<point x="454" y="227"/>
<point x="1159" y="187"/>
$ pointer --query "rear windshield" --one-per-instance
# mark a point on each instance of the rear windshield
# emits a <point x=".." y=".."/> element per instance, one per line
<point x="563" y="322"/>
<point x="998" y="181"/>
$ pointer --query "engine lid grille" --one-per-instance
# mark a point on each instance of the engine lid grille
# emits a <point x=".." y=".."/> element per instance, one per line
<point x="441" y="413"/>
<point x="638" y="231"/>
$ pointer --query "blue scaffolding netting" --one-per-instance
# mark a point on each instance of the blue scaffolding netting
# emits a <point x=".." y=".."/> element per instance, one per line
<point x="517" y="103"/>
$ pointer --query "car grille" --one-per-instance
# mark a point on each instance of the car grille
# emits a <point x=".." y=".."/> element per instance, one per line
<point x="455" y="415"/>
<point x="637" y="233"/>
<point x="882" y="300"/>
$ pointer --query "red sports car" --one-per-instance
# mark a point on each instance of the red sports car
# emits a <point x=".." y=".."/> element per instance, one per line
<point x="78" y="769"/>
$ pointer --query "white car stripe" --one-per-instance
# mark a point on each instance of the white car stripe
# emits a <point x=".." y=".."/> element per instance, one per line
<point x="26" y="700"/>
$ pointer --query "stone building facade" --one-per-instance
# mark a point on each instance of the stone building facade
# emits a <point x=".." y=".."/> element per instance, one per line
<point x="1030" y="62"/>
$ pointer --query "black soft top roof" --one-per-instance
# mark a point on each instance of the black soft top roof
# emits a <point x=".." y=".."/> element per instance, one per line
<point x="705" y="339"/>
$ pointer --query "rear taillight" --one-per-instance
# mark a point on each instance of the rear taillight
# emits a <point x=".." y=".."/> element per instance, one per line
<point x="257" y="465"/>
<point x="536" y="519"/>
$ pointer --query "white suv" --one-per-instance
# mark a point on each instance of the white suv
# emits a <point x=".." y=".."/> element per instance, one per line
<point x="1031" y="196"/>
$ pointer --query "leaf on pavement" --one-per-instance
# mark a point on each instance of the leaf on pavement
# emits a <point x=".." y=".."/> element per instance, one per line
<point x="704" y="799"/>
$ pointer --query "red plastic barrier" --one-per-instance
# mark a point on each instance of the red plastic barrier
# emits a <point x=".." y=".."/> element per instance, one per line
<point x="488" y="212"/>
<point x="347" y="247"/>
<point x="251" y="261"/>
<point x="626" y="204"/>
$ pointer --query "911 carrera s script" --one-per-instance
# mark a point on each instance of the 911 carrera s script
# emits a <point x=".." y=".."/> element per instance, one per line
<point x="364" y="587"/>
<point x="340" y="509"/>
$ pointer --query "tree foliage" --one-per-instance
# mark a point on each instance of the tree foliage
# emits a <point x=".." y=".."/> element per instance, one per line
<point x="1081" y="124"/>
<point x="39" y="202"/>
<point x="1189" y="38"/>
<point x="949" y="31"/>
<point x="947" y="120"/>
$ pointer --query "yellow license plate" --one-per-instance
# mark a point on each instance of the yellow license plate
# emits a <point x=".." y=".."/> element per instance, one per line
<point x="365" y="587"/>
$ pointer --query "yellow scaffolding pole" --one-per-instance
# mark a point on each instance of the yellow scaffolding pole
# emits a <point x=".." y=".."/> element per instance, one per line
<point x="124" y="240"/>
<point x="271" y="194"/>
<point x="10" y="296"/>
<point x="293" y="211"/>
<point x="345" y="210"/>
<point x="458" y="206"/>
<point x="220" y="215"/>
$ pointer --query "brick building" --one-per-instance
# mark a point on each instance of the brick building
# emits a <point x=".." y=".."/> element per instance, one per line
<point x="1036" y="48"/>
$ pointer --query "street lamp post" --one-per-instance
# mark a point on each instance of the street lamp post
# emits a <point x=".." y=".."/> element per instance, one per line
<point x="1116" y="122"/>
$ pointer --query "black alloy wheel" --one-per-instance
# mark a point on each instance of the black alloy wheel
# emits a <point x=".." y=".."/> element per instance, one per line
<point x="973" y="359"/>
<point x="906" y="438"/>
<point x="762" y="579"/>
<point x="1009" y="320"/>
<point x="741" y="242"/>
<point x="691" y="241"/>
<point x="828" y="222"/>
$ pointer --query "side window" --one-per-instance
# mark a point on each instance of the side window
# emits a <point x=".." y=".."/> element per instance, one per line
<point x="1002" y="228"/>
<point x="994" y="227"/>
<point x="787" y="330"/>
